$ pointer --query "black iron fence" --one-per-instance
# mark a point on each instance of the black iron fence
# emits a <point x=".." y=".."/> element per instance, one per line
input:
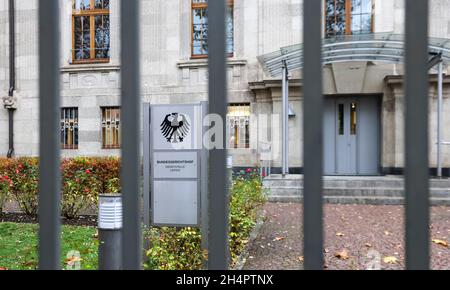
<point x="416" y="133"/>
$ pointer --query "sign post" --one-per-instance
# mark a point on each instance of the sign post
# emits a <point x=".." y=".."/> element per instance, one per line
<point x="176" y="168"/>
<point x="175" y="147"/>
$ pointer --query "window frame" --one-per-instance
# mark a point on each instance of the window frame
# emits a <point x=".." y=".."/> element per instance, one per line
<point x="348" y="19"/>
<point x="91" y="13"/>
<point x="102" y="138"/>
<point x="240" y="145"/>
<point x="204" y="5"/>
<point x="76" y="141"/>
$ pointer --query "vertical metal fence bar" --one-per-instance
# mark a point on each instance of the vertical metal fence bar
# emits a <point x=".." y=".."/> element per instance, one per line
<point x="313" y="138"/>
<point x="439" y="120"/>
<point x="218" y="182"/>
<point x="49" y="136"/>
<point x="147" y="152"/>
<point x="285" y="120"/>
<point x="416" y="135"/>
<point x="12" y="73"/>
<point x="204" y="223"/>
<point x="130" y="101"/>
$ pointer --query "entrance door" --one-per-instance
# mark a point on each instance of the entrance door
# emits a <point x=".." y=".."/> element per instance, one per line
<point x="351" y="134"/>
<point x="346" y="112"/>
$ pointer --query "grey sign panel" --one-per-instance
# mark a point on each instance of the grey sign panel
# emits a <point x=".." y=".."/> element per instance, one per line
<point x="175" y="165"/>
<point x="175" y="203"/>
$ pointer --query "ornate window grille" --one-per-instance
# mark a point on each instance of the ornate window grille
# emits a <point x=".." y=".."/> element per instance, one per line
<point x="111" y="128"/>
<point x="69" y="128"/>
<point x="239" y="122"/>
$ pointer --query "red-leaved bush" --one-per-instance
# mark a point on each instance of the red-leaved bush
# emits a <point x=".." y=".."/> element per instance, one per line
<point x="82" y="180"/>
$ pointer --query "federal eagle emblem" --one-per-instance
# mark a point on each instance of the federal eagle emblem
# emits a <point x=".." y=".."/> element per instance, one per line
<point x="175" y="128"/>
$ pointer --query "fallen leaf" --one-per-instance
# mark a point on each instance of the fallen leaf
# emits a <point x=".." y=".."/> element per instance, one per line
<point x="386" y="233"/>
<point x="301" y="258"/>
<point x="441" y="243"/>
<point x="367" y="245"/>
<point x="3" y="269"/>
<point x="390" y="260"/>
<point x="29" y="263"/>
<point x="340" y="235"/>
<point x="326" y="250"/>
<point x="342" y="255"/>
<point x="277" y="239"/>
<point x="72" y="260"/>
<point x="205" y="254"/>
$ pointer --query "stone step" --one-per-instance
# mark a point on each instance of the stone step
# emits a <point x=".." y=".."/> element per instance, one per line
<point x="354" y="183"/>
<point x="367" y="200"/>
<point x="354" y="189"/>
<point x="341" y="191"/>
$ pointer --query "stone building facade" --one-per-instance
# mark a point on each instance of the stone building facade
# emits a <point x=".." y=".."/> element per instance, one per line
<point x="174" y="70"/>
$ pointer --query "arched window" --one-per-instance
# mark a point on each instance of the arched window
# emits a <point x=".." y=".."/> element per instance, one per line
<point x="348" y="17"/>
<point x="199" y="38"/>
<point x="91" y="33"/>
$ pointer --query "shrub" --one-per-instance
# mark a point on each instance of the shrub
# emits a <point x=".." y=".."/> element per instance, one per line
<point x="174" y="249"/>
<point x="24" y="175"/>
<point x="5" y="188"/>
<point x="82" y="180"/>
<point x="5" y="184"/>
<point x="246" y="196"/>
<point x="80" y="186"/>
<point x="180" y="249"/>
<point x="113" y="185"/>
<point x="247" y="173"/>
<point x="107" y="170"/>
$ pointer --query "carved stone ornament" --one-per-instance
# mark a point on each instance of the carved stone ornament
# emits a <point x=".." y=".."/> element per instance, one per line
<point x="10" y="102"/>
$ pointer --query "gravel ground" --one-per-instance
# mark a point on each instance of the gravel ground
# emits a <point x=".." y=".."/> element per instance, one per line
<point x="356" y="237"/>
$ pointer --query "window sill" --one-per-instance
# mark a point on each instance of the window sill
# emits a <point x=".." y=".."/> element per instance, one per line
<point x="83" y="67"/>
<point x="111" y="147"/>
<point x="203" y="62"/>
<point x="241" y="151"/>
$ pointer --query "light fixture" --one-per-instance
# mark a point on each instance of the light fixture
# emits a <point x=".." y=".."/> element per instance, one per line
<point x="229" y="162"/>
<point x="110" y="232"/>
<point x="291" y="114"/>
<point x="110" y="212"/>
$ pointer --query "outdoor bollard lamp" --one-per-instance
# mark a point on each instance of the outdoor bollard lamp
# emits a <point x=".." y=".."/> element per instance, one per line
<point x="110" y="231"/>
<point x="230" y="168"/>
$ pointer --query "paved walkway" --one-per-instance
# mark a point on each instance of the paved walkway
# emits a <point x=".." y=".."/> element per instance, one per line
<point x="357" y="236"/>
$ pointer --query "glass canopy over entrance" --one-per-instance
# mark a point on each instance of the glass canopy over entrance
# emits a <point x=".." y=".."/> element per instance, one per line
<point x="379" y="47"/>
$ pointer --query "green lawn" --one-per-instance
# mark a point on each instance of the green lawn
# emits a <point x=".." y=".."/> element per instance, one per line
<point x="18" y="246"/>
